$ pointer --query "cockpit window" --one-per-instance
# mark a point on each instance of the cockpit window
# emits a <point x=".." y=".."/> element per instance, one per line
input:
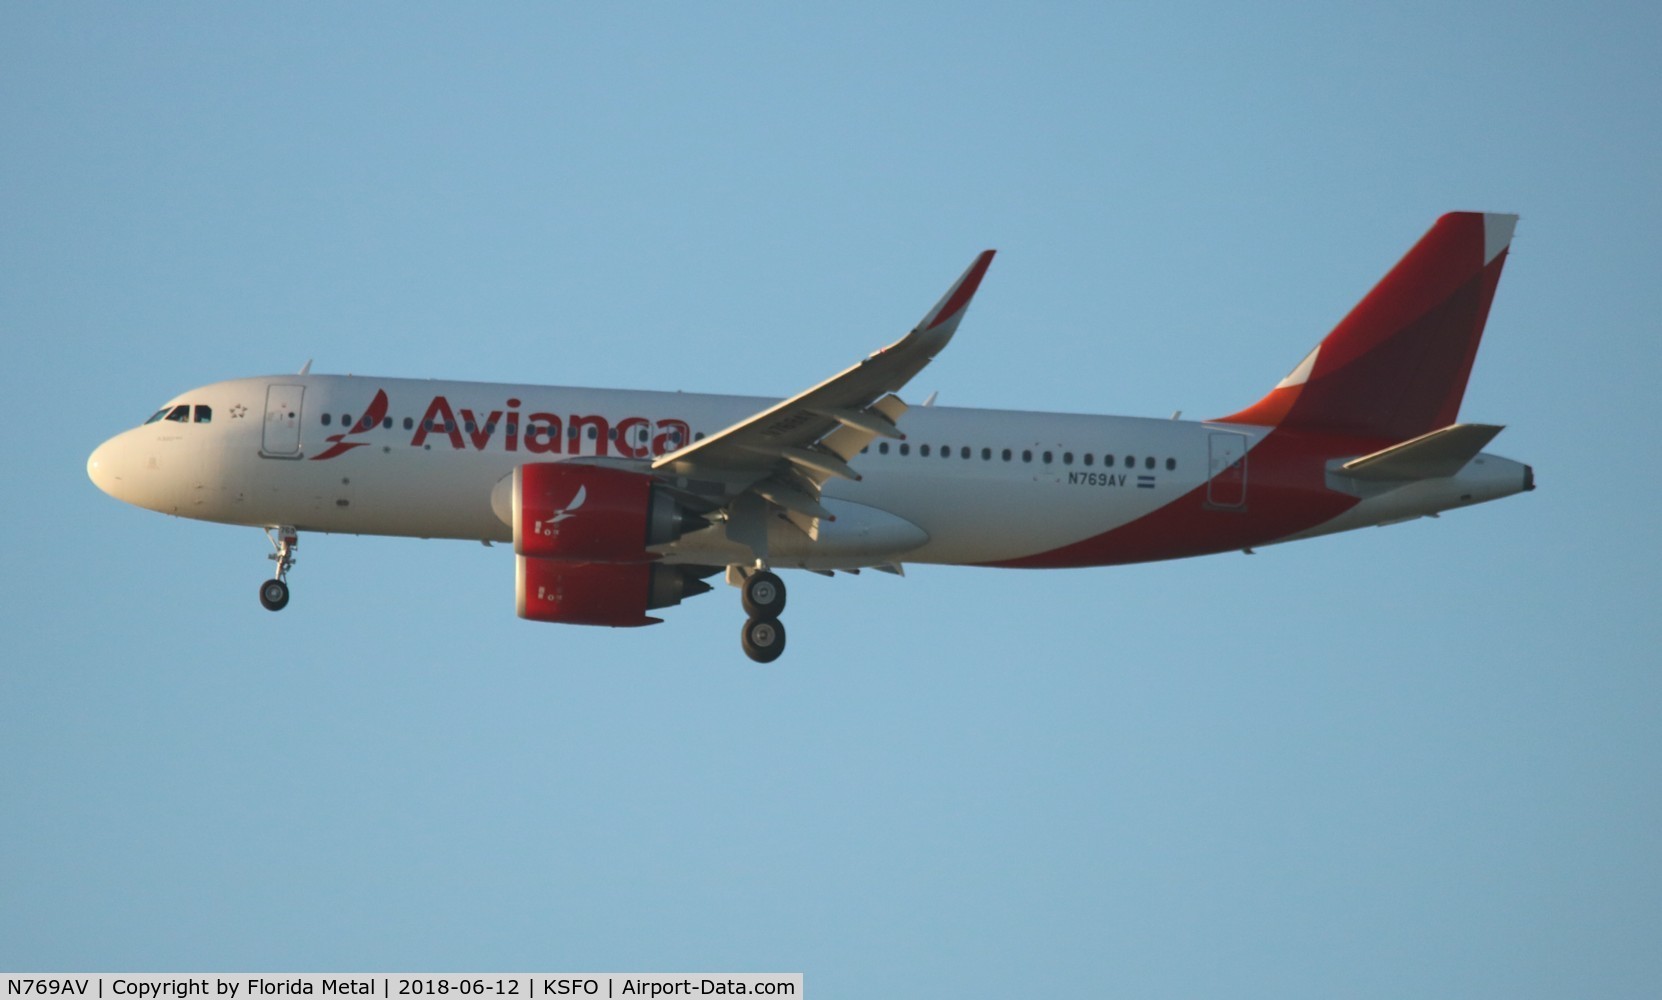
<point x="159" y="414"/>
<point x="204" y="414"/>
<point x="180" y="413"/>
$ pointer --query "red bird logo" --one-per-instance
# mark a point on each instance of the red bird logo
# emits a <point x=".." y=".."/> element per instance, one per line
<point x="372" y="418"/>
<point x="549" y="526"/>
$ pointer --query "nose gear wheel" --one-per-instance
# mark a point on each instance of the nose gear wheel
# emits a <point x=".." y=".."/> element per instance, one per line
<point x="274" y="593"/>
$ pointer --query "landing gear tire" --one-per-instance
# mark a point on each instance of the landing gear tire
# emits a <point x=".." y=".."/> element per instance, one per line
<point x="763" y="595"/>
<point x="763" y="639"/>
<point x="274" y="594"/>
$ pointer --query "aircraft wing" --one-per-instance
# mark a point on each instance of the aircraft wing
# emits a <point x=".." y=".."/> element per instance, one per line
<point x="785" y="453"/>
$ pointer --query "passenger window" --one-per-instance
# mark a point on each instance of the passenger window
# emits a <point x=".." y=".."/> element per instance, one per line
<point x="1067" y="458"/>
<point x="1006" y="454"/>
<point x="346" y="420"/>
<point x="946" y="451"/>
<point x="1171" y="465"/>
<point x="1027" y="455"/>
<point x="883" y="448"/>
<point x="387" y="423"/>
<point x="1047" y="458"/>
<point x="1089" y="458"/>
<point x="964" y="452"/>
<point x="409" y="423"/>
<point x="923" y="450"/>
<point x="986" y="454"/>
<point x="906" y="449"/>
<point x="1148" y="463"/>
<point x="326" y="419"/>
<point x="1130" y="463"/>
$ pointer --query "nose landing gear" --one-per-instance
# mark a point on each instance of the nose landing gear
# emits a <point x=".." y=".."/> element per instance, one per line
<point x="763" y="595"/>
<point x="274" y="593"/>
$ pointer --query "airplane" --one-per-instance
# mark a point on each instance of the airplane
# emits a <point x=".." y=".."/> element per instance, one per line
<point x="623" y="502"/>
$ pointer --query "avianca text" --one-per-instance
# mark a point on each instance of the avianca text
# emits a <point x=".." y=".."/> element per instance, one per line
<point x="539" y="432"/>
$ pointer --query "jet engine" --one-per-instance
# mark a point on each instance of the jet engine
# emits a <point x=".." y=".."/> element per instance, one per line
<point x="615" y="594"/>
<point x="593" y="514"/>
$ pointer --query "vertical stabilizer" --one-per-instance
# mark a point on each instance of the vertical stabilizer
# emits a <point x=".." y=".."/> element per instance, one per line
<point x="1396" y="366"/>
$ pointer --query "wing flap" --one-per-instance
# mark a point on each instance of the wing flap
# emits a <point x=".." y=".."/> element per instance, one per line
<point x="820" y="429"/>
<point x="775" y="464"/>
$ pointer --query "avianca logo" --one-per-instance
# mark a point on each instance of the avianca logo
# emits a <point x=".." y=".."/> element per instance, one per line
<point x="538" y="433"/>
<point x="372" y="418"/>
<point x="551" y="526"/>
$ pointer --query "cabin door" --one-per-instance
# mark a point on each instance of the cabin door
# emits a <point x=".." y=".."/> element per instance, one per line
<point x="282" y="421"/>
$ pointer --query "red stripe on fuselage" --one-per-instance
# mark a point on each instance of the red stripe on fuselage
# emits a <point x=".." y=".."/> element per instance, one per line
<point x="1286" y="493"/>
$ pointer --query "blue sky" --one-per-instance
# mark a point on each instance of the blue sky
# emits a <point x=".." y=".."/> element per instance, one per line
<point x="1418" y="761"/>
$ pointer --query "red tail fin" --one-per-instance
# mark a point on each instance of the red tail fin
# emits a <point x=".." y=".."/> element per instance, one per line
<point x="1396" y="367"/>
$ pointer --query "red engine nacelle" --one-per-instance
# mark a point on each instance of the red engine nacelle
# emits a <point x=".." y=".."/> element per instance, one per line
<point x="587" y="513"/>
<point x="616" y="594"/>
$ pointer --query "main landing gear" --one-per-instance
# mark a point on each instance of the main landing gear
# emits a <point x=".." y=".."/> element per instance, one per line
<point x="274" y="593"/>
<point x="763" y="636"/>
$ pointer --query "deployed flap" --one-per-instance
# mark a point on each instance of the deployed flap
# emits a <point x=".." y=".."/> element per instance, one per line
<point x="1430" y="456"/>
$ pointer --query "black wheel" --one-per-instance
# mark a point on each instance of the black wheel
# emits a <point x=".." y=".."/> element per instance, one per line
<point x="274" y="594"/>
<point x="764" y="595"/>
<point x="763" y="639"/>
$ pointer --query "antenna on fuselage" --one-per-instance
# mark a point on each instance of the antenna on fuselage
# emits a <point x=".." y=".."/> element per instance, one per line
<point x="306" y="367"/>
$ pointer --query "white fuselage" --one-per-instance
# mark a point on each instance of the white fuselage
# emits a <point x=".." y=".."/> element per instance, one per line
<point x="978" y="486"/>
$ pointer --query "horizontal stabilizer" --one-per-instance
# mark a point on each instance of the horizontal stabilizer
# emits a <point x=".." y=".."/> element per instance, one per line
<point x="1435" y="455"/>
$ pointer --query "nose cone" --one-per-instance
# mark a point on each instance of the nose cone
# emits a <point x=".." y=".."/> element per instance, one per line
<point x="104" y="468"/>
